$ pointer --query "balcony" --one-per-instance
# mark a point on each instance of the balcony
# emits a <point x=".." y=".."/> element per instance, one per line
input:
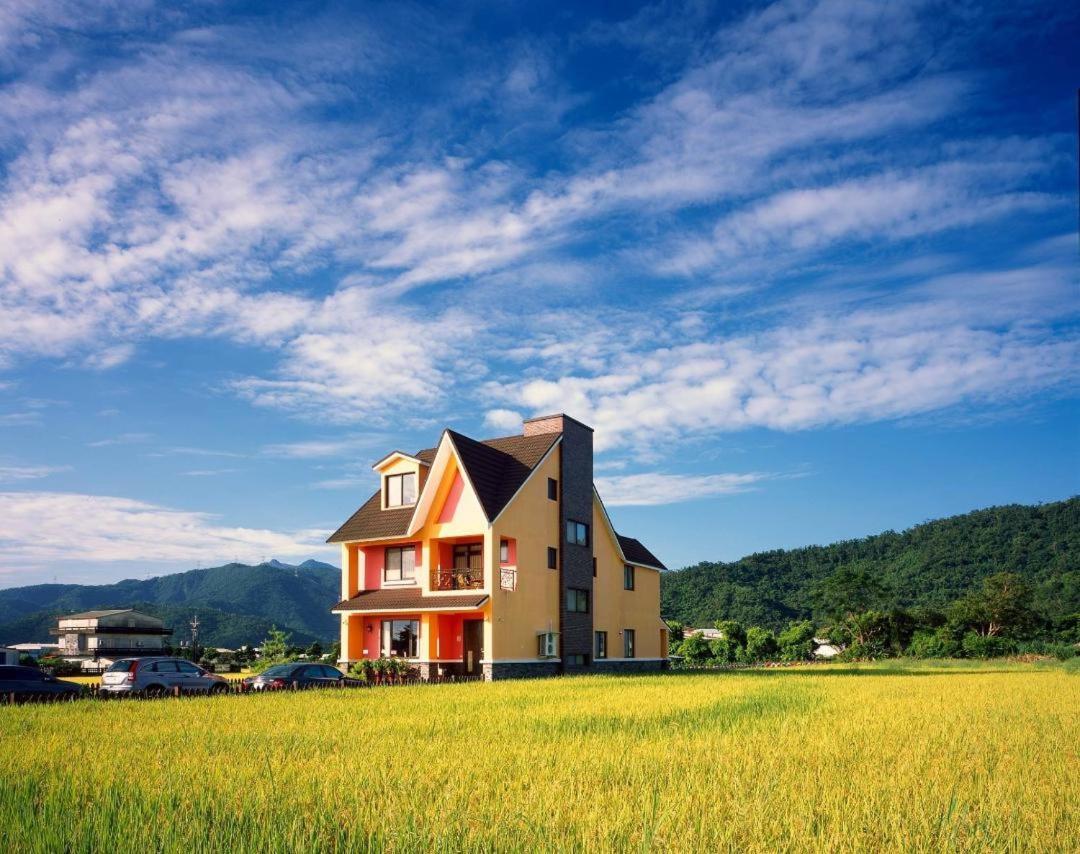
<point x="453" y="578"/>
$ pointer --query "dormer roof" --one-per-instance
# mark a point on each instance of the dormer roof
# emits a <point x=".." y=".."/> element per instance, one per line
<point x="401" y="455"/>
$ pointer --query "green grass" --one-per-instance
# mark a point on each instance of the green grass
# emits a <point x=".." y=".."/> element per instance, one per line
<point x="839" y="758"/>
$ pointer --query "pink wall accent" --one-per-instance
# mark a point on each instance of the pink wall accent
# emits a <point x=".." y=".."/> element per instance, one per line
<point x="511" y="550"/>
<point x="373" y="567"/>
<point x="452" y="498"/>
<point x="450" y="636"/>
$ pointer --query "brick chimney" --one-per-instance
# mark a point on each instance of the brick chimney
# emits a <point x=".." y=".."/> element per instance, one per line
<point x="550" y="424"/>
<point x="575" y="505"/>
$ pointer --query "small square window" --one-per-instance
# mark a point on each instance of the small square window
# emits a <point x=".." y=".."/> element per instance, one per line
<point x="577" y="533"/>
<point x="400" y="490"/>
<point x="553" y="558"/>
<point x="504" y="551"/>
<point x="628" y="577"/>
<point x="577" y="601"/>
<point x="553" y="489"/>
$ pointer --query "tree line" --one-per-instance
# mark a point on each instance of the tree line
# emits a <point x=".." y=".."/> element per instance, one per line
<point x="922" y="572"/>
<point x="999" y="618"/>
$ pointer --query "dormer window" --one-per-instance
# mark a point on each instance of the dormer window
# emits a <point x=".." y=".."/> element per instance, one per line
<point x="400" y="490"/>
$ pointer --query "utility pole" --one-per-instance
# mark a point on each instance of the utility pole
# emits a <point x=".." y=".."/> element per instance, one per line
<point x="195" y="638"/>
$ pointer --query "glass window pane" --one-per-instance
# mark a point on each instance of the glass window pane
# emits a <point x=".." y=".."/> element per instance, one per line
<point x="393" y="491"/>
<point x="408" y="489"/>
<point x="408" y="562"/>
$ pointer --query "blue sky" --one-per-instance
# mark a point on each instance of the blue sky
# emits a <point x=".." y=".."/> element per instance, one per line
<point x="809" y="268"/>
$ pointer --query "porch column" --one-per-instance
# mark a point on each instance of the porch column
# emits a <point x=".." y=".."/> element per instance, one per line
<point x="343" y="656"/>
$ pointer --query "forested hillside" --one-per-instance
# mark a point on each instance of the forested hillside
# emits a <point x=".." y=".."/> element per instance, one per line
<point x="929" y="565"/>
<point x="236" y="603"/>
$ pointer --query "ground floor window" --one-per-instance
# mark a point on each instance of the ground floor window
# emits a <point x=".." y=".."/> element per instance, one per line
<point x="628" y="643"/>
<point x="577" y="660"/>
<point x="601" y="645"/>
<point x="400" y="638"/>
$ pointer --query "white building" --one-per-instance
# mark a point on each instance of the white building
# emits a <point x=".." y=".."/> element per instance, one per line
<point x="103" y="636"/>
<point x="8" y="655"/>
<point x="824" y="648"/>
<point x="36" y="650"/>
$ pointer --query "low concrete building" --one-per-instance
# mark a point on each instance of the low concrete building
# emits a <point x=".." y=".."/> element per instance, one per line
<point x="706" y="633"/>
<point x="36" y="650"/>
<point x="8" y="655"/>
<point x="103" y="636"/>
<point x="824" y="648"/>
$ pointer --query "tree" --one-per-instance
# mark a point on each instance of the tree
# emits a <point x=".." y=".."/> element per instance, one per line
<point x="695" y="649"/>
<point x="676" y="632"/>
<point x="849" y="590"/>
<point x="760" y="644"/>
<point x="869" y="635"/>
<point x="796" y="642"/>
<point x="732" y="631"/>
<point x="315" y="651"/>
<point x="1001" y="608"/>
<point x="725" y="650"/>
<point x="275" y="649"/>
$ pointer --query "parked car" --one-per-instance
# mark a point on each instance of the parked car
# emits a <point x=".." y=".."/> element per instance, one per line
<point x="29" y="681"/>
<point x="156" y="676"/>
<point x="304" y="675"/>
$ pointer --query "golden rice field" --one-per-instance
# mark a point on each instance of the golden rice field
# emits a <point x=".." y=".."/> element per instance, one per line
<point x="836" y="758"/>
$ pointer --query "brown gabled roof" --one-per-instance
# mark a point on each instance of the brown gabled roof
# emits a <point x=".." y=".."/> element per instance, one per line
<point x="408" y="599"/>
<point x="496" y="468"/>
<point x="635" y="552"/>
<point x="371" y="522"/>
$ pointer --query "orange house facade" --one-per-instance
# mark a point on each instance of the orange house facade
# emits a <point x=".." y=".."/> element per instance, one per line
<point x="496" y="558"/>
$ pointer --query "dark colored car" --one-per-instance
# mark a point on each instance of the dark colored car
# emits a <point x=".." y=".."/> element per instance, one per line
<point x="304" y="675"/>
<point x="29" y="681"/>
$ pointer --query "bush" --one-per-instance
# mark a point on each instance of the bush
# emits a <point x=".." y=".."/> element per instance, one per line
<point x="760" y="645"/>
<point x="724" y="651"/>
<point x="940" y="643"/>
<point x="796" y="642"/>
<point x="986" y="646"/>
<point x="695" y="649"/>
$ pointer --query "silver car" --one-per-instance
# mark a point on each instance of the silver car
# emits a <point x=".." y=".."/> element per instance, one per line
<point x="157" y="677"/>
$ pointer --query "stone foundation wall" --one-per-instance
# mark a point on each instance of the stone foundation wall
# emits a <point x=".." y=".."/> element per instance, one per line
<point x="520" y="670"/>
<point x="629" y="666"/>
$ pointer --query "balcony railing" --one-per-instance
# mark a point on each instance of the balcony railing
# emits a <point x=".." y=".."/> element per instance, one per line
<point x="508" y="578"/>
<point x="443" y="578"/>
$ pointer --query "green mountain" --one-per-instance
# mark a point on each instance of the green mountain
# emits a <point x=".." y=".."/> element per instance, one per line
<point x="928" y="565"/>
<point x="236" y="603"/>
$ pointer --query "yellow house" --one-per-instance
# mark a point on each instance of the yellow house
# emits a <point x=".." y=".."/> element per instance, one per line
<point x="497" y="558"/>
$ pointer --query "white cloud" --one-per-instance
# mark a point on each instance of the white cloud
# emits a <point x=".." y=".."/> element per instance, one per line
<point x="503" y="419"/>
<point x="122" y="439"/>
<point x="10" y="473"/>
<point x="315" y="448"/>
<point x="50" y="527"/>
<point x="654" y="488"/>
<point x="949" y="341"/>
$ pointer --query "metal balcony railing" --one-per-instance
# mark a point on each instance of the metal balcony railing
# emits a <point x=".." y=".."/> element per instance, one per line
<point x="451" y="578"/>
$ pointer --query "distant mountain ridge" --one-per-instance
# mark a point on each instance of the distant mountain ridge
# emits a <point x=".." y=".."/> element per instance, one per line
<point x="237" y="603"/>
<point x="928" y="565"/>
